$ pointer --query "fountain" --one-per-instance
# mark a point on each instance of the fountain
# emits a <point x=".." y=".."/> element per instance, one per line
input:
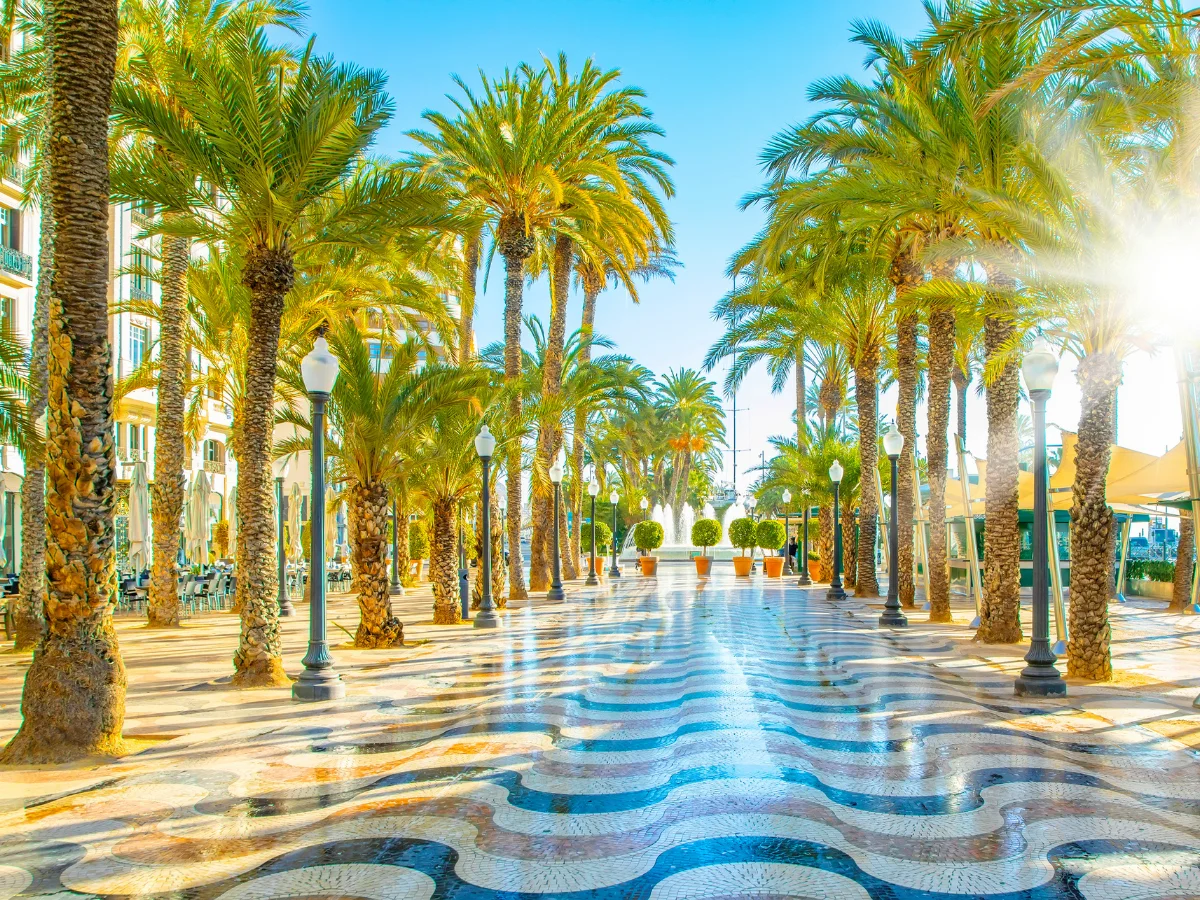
<point x="736" y="511"/>
<point x="675" y="545"/>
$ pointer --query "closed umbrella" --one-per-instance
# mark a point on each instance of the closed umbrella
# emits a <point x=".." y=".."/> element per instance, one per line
<point x="233" y="522"/>
<point x="139" y="518"/>
<point x="195" y="528"/>
<point x="295" y="544"/>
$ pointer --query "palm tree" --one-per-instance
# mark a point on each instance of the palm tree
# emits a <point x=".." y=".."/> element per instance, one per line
<point x="265" y="162"/>
<point x="379" y="419"/>
<point x="693" y="421"/>
<point x="74" y="698"/>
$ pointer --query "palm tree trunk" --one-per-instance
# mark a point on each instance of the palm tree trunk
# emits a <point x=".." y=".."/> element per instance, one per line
<point x="941" y="365"/>
<point x="466" y="301"/>
<point x="74" y="697"/>
<point x="29" y="620"/>
<point x="443" y="565"/>
<point x="403" y="559"/>
<point x="1000" y="615"/>
<point x="368" y="521"/>
<point x="906" y="415"/>
<point x="961" y="382"/>
<point x="866" y="393"/>
<point x="163" y="610"/>
<point x="515" y="246"/>
<point x="1092" y="534"/>
<point x="591" y="290"/>
<point x="566" y="538"/>
<point x="1181" y="590"/>
<point x="499" y="573"/>
<point x="801" y="397"/>
<point x="825" y="537"/>
<point x="849" y="545"/>
<point x="269" y="274"/>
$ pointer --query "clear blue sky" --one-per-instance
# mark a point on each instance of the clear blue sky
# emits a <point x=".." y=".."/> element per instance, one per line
<point x="721" y="77"/>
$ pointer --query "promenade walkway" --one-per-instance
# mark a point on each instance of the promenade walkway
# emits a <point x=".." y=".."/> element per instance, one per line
<point x="653" y="739"/>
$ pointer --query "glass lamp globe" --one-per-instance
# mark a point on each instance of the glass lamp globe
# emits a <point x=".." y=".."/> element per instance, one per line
<point x="485" y="444"/>
<point x="556" y="472"/>
<point x="751" y="502"/>
<point x="1040" y="366"/>
<point x="614" y="497"/>
<point x="281" y="466"/>
<point x="320" y="368"/>
<point x="893" y="441"/>
<point x="645" y="504"/>
<point x="594" y="487"/>
<point x="836" y="472"/>
<point x="787" y="496"/>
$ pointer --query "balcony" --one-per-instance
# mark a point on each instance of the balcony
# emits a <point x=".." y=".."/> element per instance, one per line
<point x="140" y="293"/>
<point x="141" y="220"/>
<point x="16" y="174"/>
<point x="214" y="466"/>
<point x="16" y="263"/>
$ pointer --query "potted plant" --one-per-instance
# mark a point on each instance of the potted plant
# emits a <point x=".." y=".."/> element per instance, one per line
<point x="648" y="536"/>
<point x="418" y="544"/>
<point x="705" y="533"/>
<point x="743" y="535"/>
<point x="603" y="545"/>
<point x="771" y="534"/>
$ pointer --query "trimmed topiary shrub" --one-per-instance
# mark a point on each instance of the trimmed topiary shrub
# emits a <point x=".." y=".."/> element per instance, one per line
<point x="648" y="536"/>
<point x="743" y="534"/>
<point x="770" y="534"/>
<point x="706" y="533"/>
<point x="603" y="538"/>
<point x="418" y="540"/>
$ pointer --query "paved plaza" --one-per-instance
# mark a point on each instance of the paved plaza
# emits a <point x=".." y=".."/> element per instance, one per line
<point x="660" y="738"/>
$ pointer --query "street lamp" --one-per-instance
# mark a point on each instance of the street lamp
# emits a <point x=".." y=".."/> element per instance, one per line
<point x="318" y="681"/>
<point x="1040" y="678"/>
<point x="593" y="490"/>
<point x="556" y="587"/>
<point x="285" y="603"/>
<point x="787" y="537"/>
<point x="804" y="580"/>
<point x="613" y="497"/>
<point x="752" y="502"/>
<point x="836" y="591"/>
<point x="396" y="589"/>
<point x="645" y="505"/>
<point x="485" y="446"/>
<point x="893" y="444"/>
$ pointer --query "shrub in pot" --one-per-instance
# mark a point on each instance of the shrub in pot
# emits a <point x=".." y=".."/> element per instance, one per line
<point x="418" y="544"/>
<point x="603" y="544"/>
<point x="770" y="534"/>
<point x="705" y="533"/>
<point x="743" y="534"/>
<point x="647" y="536"/>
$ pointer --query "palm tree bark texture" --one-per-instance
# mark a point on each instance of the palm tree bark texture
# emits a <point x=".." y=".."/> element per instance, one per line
<point x="516" y="246"/>
<point x="866" y="394"/>
<point x="825" y="538"/>
<point x="1000" y="615"/>
<point x="403" y="559"/>
<point x="74" y="698"/>
<point x="29" y="620"/>
<point x="1092" y="532"/>
<point x="1181" y="589"/>
<point x="368" y="521"/>
<point x="906" y="421"/>
<point x="849" y="544"/>
<point x="169" y="449"/>
<point x="550" y="428"/>
<point x="593" y="283"/>
<point x="269" y="274"/>
<point x="443" y="565"/>
<point x="941" y="365"/>
<point x="498" y="575"/>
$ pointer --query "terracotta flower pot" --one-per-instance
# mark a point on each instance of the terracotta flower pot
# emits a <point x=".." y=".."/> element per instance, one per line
<point x="773" y="566"/>
<point x="741" y="565"/>
<point x="703" y="565"/>
<point x="648" y="565"/>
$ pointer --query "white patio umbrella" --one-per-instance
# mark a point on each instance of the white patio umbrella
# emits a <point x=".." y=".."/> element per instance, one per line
<point x="295" y="544"/>
<point x="139" y="518"/>
<point x="232" y="518"/>
<point x="195" y="520"/>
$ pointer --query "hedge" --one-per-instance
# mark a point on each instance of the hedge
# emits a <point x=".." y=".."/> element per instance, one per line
<point x="1150" y="569"/>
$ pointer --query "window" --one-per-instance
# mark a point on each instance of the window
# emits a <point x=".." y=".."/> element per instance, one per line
<point x="214" y="451"/>
<point x="142" y="265"/>
<point x="135" y="439"/>
<point x="138" y="338"/>
<point x="144" y="208"/>
<point x="10" y="227"/>
<point x="8" y="313"/>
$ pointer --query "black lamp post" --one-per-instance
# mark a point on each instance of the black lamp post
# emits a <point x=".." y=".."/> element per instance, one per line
<point x="804" y="580"/>
<point x="1040" y="677"/>
<point x="284" y="601"/>
<point x="318" y="681"/>
<point x="464" y="583"/>
<point x="787" y="534"/>
<point x="751" y="503"/>
<point x="893" y="444"/>
<point x="613" y="497"/>
<point x="592" y="579"/>
<point x="556" y="586"/>
<point x="485" y="446"/>
<point x="836" y="591"/>
<point x="396" y="589"/>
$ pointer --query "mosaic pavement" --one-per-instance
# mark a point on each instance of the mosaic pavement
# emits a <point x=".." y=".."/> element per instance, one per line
<point x="657" y="740"/>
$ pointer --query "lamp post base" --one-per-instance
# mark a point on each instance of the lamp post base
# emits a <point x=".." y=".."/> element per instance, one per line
<point x="592" y="580"/>
<point x="1040" y="680"/>
<point x="614" y="572"/>
<point x="487" y="618"/>
<point x="286" y="607"/>
<point x="835" y="592"/>
<point x="893" y="618"/>
<point x="555" y="593"/>
<point x="804" y="580"/>
<point x="396" y="590"/>
<point x="315" y="685"/>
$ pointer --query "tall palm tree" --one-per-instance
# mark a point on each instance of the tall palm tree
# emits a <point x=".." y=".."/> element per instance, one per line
<point x="73" y="703"/>
<point x="694" y="422"/>
<point x="379" y="420"/>
<point x="267" y="143"/>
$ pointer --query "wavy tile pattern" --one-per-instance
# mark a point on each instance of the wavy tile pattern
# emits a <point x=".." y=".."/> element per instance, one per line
<point x="650" y="740"/>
